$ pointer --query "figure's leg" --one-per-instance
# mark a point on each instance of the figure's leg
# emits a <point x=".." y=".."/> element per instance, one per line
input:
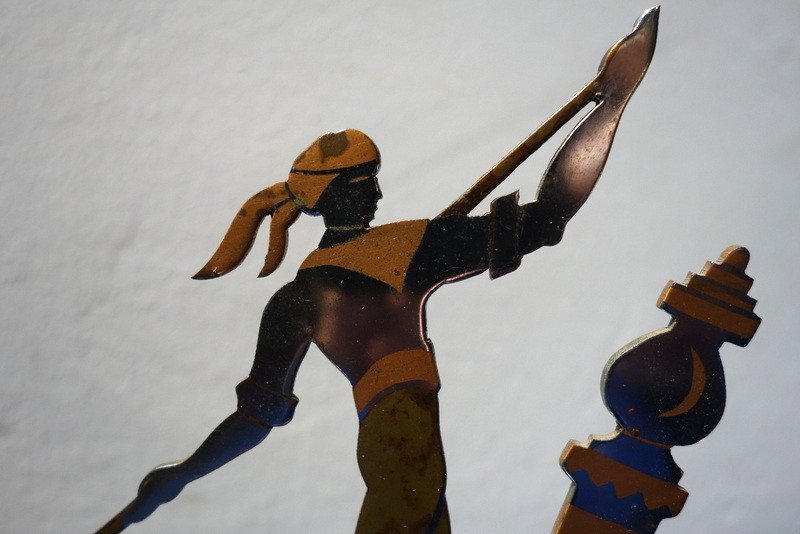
<point x="234" y="436"/>
<point x="401" y="459"/>
<point x="443" y="525"/>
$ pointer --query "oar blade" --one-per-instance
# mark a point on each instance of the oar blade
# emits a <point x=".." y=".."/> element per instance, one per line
<point x="626" y="63"/>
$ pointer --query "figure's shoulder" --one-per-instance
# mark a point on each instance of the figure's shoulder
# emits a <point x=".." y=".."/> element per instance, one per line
<point x="289" y="295"/>
<point x="384" y="253"/>
<point x="291" y="306"/>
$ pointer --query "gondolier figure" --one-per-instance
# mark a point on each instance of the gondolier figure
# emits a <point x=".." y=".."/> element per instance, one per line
<point x="360" y="298"/>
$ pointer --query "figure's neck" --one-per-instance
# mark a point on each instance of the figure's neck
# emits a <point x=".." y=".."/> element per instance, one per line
<point x="339" y="234"/>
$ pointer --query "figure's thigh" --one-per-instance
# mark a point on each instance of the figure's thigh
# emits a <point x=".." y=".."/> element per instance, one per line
<point x="401" y="459"/>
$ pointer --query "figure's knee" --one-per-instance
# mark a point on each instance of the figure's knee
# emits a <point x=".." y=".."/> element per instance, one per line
<point x="399" y="440"/>
<point x="404" y="509"/>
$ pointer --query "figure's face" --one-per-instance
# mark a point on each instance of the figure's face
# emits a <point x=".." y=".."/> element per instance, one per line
<point x="350" y="200"/>
<point x="361" y="197"/>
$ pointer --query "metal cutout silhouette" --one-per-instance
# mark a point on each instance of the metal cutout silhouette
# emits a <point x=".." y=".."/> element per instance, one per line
<point x="666" y="388"/>
<point x="360" y="296"/>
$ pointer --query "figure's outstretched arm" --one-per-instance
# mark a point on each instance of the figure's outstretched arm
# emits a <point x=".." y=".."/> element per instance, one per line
<point x="235" y="435"/>
<point x="572" y="173"/>
<point x="576" y="166"/>
<point x="514" y="230"/>
<point x="265" y="400"/>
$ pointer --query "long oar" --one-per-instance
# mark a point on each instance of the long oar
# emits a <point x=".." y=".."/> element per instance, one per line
<point x="634" y="51"/>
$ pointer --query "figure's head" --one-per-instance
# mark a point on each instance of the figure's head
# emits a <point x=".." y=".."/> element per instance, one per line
<point x="336" y="176"/>
<point x="351" y="199"/>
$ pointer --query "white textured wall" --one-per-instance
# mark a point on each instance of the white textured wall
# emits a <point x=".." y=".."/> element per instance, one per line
<point x="130" y="133"/>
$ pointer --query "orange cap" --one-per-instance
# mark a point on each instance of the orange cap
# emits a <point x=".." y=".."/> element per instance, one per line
<point x="325" y="159"/>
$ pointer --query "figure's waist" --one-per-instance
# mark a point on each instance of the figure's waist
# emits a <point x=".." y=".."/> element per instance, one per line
<point x="405" y="368"/>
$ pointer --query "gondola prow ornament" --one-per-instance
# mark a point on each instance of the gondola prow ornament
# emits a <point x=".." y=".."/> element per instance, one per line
<point x="360" y="296"/>
<point x="666" y="388"/>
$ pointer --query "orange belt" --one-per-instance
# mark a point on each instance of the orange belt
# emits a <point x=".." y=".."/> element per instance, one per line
<point x="412" y="365"/>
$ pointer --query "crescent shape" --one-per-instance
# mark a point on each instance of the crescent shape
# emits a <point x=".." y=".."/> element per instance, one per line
<point x="695" y="391"/>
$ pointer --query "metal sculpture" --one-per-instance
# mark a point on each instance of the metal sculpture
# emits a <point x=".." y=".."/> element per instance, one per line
<point x="360" y="296"/>
<point x="666" y="388"/>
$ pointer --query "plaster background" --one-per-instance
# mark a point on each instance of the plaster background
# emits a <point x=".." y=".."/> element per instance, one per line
<point x="131" y="132"/>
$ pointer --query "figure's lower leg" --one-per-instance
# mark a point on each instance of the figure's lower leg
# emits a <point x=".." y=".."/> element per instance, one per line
<point x="386" y="513"/>
<point x="442" y="525"/>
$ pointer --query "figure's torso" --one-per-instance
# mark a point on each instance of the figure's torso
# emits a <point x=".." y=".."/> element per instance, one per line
<point x="363" y="308"/>
<point x="361" y="298"/>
